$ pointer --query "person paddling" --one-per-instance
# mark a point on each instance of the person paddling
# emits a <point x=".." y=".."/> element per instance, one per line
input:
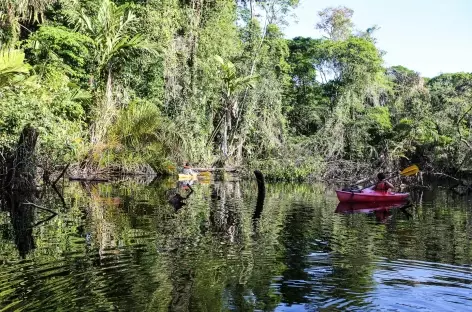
<point x="382" y="185"/>
<point x="188" y="169"/>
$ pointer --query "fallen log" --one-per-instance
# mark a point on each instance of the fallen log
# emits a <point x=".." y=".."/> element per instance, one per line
<point x="84" y="179"/>
<point x="215" y="169"/>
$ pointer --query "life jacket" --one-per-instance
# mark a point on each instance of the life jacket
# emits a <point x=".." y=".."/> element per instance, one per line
<point x="381" y="186"/>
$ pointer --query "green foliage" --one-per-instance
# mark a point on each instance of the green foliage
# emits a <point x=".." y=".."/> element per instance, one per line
<point x="306" y="103"/>
<point x="229" y="76"/>
<point x="12" y="67"/>
<point x="349" y="60"/>
<point x="141" y="136"/>
<point x="52" y="109"/>
<point x="336" y="22"/>
<point x="296" y="169"/>
<point x="61" y="48"/>
<point x="144" y="84"/>
<point x="263" y="123"/>
<point x="15" y="14"/>
<point x="355" y="110"/>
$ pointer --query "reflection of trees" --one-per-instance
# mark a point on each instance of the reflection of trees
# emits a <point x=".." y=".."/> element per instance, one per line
<point x="439" y="234"/>
<point x="106" y="246"/>
<point x="323" y="250"/>
<point x="225" y="260"/>
<point x="226" y="212"/>
<point x="22" y="218"/>
<point x="124" y="247"/>
<point x="296" y="233"/>
<point x="353" y="257"/>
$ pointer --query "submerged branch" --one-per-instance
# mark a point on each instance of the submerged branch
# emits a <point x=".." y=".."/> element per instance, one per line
<point x="61" y="175"/>
<point x="40" y="207"/>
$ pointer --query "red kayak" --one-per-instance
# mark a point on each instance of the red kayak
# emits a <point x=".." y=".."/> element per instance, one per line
<point x="368" y="207"/>
<point x="369" y="195"/>
<point x="382" y="210"/>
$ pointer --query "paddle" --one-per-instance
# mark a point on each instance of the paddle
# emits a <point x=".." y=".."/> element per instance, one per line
<point x="407" y="172"/>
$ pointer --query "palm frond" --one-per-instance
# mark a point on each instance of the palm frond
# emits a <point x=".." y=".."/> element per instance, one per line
<point x="12" y="65"/>
<point x="112" y="31"/>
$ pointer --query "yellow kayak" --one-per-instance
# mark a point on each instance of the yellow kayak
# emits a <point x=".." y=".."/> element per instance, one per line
<point x="202" y="175"/>
<point x="183" y="177"/>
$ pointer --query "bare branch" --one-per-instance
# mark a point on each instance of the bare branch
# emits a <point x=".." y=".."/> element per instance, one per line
<point x="61" y="175"/>
<point x="39" y="207"/>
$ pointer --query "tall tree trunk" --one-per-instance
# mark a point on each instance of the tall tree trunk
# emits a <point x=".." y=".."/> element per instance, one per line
<point x="105" y="112"/>
<point x="22" y="168"/>
<point x="194" y="36"/>
<point x="20" y="188"/>
<point x="224" y="144"/>
<point x="243" y="103"/>
<point x="109" y="91"/>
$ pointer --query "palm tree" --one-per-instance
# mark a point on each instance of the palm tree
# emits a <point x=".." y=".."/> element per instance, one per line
<point x="231" y="85"/>
<point x="112" y="32"/>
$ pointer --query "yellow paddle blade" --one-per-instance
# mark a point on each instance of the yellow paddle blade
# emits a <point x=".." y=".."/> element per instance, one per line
<point x="205" y="173"/>
<point x="412" y="170"/>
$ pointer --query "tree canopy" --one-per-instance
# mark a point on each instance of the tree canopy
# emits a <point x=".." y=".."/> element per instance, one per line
<point x="131" y="85"/>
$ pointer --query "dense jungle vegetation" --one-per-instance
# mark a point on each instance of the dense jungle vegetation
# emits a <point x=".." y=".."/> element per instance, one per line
<point x="140" y="85"/>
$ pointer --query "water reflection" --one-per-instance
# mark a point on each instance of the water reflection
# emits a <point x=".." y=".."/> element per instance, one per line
<point x="124" y="246"/>
<point x="382" y="211"/>
<point x="176" y="199"/>
<point x="23" y="216"/>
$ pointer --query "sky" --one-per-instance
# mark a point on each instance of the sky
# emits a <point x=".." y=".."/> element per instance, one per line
<point x="428" y="36"/>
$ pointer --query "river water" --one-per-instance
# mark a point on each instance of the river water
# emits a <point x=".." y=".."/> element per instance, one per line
<point x="122" y="247"/>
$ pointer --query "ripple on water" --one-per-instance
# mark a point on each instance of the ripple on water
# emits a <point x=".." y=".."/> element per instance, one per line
<point x="399" y="285"/>
<point x="300" y="256"/>
<point x="418" y="285"/>
<point x="74" y="280"/>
